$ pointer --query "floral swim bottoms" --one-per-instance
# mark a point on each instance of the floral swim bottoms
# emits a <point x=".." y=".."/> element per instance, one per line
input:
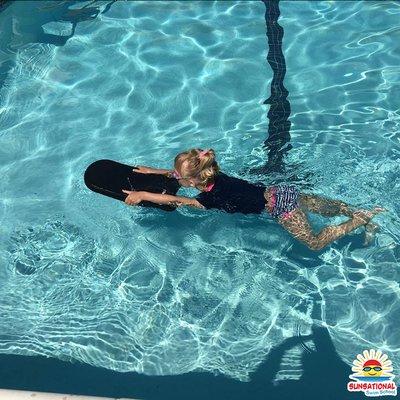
<point x="284" y="200"/>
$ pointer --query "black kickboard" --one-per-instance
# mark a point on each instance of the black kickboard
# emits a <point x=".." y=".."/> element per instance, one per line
<point x="109" y="177"/>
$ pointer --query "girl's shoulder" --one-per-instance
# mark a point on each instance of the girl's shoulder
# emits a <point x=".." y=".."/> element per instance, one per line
<point x="237" y="182"/>
<point x="225" y="177"/>
<point x="220" y="175"/>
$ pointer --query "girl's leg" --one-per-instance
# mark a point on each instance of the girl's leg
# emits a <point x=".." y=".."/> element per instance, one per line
<point x="324" y="206"/>
<point x="331" y="208"/>
<point x="298" y="225"/>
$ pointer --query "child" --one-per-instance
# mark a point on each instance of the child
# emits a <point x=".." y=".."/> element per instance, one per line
<point x="198" y="168"/>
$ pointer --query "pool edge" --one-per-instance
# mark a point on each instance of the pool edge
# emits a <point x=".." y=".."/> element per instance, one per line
<point x="28" y="395"/>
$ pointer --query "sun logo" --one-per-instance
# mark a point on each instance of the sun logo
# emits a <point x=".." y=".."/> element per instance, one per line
<point x="372" y="366"/>
<point x="373" y="375"/>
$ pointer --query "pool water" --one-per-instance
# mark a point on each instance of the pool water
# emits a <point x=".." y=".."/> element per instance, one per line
<point x="87" y="278"/>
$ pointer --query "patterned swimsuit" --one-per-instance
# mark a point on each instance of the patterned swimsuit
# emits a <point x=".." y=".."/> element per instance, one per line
<point x="284" y="200"/>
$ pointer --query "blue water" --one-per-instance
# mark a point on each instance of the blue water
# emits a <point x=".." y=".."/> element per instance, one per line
<point x="135" y="289"/>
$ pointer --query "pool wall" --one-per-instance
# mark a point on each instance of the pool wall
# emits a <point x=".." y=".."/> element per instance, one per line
<point x="324" y="377"/>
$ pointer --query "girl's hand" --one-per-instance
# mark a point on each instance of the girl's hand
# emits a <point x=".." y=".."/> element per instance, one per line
<point x="141" y="169"/>
<point x="133" y="197"/>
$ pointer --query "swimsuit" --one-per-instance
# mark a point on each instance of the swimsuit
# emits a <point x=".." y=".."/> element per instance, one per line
<point x="284" y="200"/>
<point x="237" y="195"/>
<point x="233" y="195"/>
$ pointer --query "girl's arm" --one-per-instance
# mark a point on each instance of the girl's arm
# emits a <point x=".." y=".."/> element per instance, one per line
<point x="149" y="170"/>
<point x="135" y="197"/>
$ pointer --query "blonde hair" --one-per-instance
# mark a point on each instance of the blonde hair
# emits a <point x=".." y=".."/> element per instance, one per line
<point x="199" y="164"/>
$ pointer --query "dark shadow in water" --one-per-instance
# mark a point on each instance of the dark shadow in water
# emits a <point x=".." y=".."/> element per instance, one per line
<point x="278" y="143"/>
<point x="22" y="23"/>
<point x="325" y="377"/>
<point x="4" y="4"/>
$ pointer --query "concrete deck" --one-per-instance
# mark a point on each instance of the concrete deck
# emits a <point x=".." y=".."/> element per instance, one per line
<point x="25" y="395"/>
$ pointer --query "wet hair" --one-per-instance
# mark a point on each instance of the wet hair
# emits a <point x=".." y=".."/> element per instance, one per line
<point x="201" y="167"/>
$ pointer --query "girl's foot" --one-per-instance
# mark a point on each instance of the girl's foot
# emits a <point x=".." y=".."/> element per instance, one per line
<point x="370" y="230"/>
<point x="367" y="215"/>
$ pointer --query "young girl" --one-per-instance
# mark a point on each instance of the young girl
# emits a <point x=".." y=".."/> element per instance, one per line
<point x="198" y="168"/>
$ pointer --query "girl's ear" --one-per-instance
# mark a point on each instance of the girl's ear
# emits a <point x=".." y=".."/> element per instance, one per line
<point x="194" y="181"/>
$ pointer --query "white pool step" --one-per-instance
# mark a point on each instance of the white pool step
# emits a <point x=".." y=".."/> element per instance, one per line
<point x="291" y="365"/>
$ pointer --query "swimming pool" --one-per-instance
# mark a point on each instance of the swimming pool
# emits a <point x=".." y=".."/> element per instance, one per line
<point x="86" y="278"/>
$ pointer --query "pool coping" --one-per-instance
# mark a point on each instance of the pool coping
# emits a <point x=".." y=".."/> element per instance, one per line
<point x="27" y="395"/>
